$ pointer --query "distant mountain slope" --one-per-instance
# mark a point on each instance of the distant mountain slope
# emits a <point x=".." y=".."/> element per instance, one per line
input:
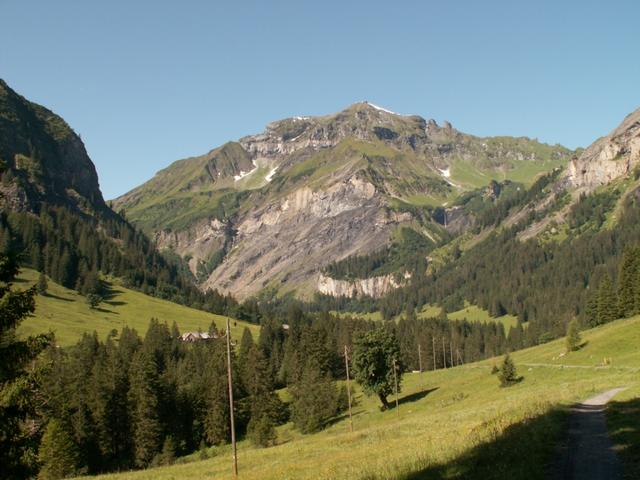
<point x="53" y="215"/>
<point x="42" y="159"/>
<point x="273" y="210"/>
<point x="608" y="158"/>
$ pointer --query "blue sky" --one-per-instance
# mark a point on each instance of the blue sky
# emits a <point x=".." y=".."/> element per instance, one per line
<point x="149" y="82"/>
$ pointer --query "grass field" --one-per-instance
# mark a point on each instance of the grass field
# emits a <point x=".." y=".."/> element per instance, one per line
<point x="66" y="313"/>
<point x="471" y="313"/>
<point x="455" y="423"/>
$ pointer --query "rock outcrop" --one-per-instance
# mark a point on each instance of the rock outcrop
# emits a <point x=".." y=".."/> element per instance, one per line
<point x="608" y="158"/>
<point x="375" y="287"/>
<point x="47" y="156"/>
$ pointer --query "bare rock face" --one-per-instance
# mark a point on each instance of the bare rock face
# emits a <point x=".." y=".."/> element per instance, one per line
<point x="375" y="287"/>
<point x="608" y="158"/>
<point x="291" y="240"/>
<point x="196" y="243"/>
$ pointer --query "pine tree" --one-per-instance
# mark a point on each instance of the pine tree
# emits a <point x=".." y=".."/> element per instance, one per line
<point x="627" y="283"/>
<point x="58" y="454"/>
<point x="145" y="408"/>
<point x="266" y="407"/>
<point x="17" y="394"/>
<point x="573" y="339"/>
<point x="216" y="397"/>
<point x="315" y="400"/>
<point x="42" y="284"/>
<point x="261" y="430"/>
<point x="508" y="374"/>
<point x="607" y="301"/>
<point x="168" y="454"/>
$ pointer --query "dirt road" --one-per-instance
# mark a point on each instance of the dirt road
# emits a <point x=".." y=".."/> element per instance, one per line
<point x="588" y="454"/>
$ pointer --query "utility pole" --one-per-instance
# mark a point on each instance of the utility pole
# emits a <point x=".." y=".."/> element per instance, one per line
<point x="420" y="363"/>
<point x="444" y="353"/>
<point x="395" y="381"/>
<point x="233" y="427"/>
<point x="451" y="353"/>
<point x="346" y="364"/>
<point x="433" y="342"/>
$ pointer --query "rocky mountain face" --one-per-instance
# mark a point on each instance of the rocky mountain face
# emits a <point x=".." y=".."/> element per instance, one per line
<point x="42" y="159"/>
<point x="609" y="157"/>
<point x="273" y="210"/>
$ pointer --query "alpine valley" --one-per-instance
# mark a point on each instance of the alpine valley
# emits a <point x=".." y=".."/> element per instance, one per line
<point x="294" y="208"/>
<point x="364" y="243"/>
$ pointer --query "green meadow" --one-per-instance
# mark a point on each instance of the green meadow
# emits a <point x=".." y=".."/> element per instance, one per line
<point x="66" y="313"/>
<point x="455" y="423"/>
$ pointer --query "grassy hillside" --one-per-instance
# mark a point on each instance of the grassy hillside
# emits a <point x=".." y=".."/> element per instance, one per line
<point x="455" y="423"/>
<point x="66" y="313"/>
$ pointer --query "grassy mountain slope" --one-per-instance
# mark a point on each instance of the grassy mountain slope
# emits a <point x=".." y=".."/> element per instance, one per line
<point x="454" y="423"/>
<point x="66" y="313"/>
<point x="42" y="159"/>
<point x="345" y="181"/>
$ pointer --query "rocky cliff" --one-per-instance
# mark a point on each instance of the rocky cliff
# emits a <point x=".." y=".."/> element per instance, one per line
<point x="609" y="157"/>
<point x="42" y="159"/>
<point x="374" y="287"/>
<point x="273" y="209"/>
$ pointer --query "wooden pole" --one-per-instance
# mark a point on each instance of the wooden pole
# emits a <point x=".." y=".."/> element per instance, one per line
<point x="233" y="427"/>
<point x="346" y="364"/>
<point x="451" y="353"/>
<point x="433" y="342"/>
<point x="395" y="381"/>
<point x="444" y="353"/>
<point x="420" y="364"/>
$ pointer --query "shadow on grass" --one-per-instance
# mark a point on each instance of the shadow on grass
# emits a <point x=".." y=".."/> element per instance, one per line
<point x="413" y="397"/>
<point x="623" y="421"/>
<point x="523" y="451"/>
<point x="115" y="303"/>
<point x="109" y="292"/>
<point x="57" y="297"/>
<point x="104" y="310"/>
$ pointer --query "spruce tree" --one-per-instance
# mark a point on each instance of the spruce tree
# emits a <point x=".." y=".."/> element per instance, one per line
<point x="573" y="339"/>
<point x="315" y="400"/>
<point x="266" y="407"/>
<point x="42" y="284"/>
<point x="508" y="374"/>
<point x="145" y="408"/>
<point x="627" y="283"/>
<point x="216" y="397"/>
<point x="261" y="429"/>
<point x="57" y="454"/>
<point x="607" y="301"/>
<point x="17" y="384"/>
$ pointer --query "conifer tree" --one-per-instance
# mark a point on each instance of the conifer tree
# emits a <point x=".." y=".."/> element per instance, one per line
<point x="57" y="454"/>
<point x="42" y="284"/>
<point x="607" y="301"/>
<point x="16" y="382"/>
<point x="315" y="400"/>
<point x="573" y="339"/>
<point x="145" y="405"/>
<point x="261" y="430"/>
<point x="627" y="283"/>
<point x="216" y="419"/>
<point x="266" y="406"/>
<point x="508" y="374"/>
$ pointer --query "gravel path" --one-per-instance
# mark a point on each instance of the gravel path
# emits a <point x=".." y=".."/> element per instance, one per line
<point x="589" y="453"/>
